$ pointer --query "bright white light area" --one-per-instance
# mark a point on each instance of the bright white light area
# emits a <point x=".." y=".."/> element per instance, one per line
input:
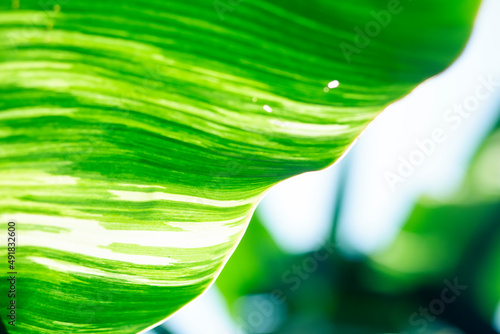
<point x="376" y="205"/>
<point x="333" y="84"/>
<point x="267" y="108"/>
<point x="298" y="212"/>
<point x="207" y="314"/>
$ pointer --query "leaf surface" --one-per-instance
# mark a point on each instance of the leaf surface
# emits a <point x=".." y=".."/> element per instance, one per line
<point x="136" y="138"/>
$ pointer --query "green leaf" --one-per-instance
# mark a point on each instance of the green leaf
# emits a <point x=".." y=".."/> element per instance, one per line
<point x="138" y="137"/>
<point x="482" y="185"/>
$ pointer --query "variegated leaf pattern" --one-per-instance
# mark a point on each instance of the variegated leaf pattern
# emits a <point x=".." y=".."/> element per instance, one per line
<point x="137" y="137"/>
